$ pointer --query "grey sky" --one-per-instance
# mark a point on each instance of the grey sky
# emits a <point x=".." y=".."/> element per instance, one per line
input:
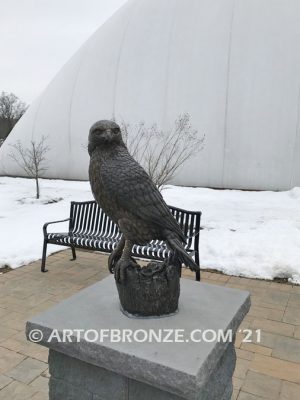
<point x="39" y="36"/>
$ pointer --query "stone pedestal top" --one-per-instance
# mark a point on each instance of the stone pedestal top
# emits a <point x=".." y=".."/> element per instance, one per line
<point x="181" y="367"/>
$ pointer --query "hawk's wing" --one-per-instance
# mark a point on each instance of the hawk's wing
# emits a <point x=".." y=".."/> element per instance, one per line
<point x="133" y="190"/>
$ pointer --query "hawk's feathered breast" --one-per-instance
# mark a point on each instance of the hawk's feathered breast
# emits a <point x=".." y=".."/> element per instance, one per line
<point x="127" y="194"/>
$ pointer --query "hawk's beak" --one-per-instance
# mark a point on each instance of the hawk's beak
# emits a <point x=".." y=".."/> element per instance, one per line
<point x="107" y="134"/>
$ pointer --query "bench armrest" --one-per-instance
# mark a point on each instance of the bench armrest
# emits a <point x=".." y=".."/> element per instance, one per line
<point x="52" y="222"/>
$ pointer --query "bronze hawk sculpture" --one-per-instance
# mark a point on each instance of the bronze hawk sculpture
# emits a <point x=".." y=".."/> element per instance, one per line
<point x="126" y="193"/>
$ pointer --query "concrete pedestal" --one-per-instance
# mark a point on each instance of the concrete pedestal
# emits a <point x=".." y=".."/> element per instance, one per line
<point x="187" y="357"/>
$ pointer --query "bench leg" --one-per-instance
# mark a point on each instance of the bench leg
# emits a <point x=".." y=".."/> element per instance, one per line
<point x="43" y="266"/>
<point x="73" y="253"/>
<point x="198" y="263"/>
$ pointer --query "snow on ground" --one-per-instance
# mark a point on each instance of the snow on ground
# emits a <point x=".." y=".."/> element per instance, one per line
<point x="254" y="234"/>
<point x="22" y="216"/>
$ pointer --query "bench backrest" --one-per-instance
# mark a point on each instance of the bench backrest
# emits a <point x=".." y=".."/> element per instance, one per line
<point x="88" y="218"/>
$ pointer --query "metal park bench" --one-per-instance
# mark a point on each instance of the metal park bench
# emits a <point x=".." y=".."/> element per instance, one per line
<point x="90" y="228"/>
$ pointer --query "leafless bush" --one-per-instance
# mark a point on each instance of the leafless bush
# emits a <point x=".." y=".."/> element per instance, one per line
<point x="31" y="159"/>
<point x="162" y="152"/>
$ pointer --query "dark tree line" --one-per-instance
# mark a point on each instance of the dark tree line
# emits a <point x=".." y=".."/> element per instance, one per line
<point x="11" y="110"/>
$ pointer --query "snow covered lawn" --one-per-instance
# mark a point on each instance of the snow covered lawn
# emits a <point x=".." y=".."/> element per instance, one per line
<point x="254" y="234"/>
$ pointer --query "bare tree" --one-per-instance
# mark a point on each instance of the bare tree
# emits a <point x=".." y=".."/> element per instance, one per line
<point x="31" y="159"/>
<point x="11" y="110"/>
<point x="162" y="152"/>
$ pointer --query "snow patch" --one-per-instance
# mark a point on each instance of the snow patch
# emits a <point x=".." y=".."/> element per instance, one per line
<point x="251" y="234"/>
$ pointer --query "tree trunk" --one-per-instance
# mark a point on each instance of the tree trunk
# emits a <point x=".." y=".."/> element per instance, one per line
<point x="37" y="187"/>
<point x="152" y="290"/>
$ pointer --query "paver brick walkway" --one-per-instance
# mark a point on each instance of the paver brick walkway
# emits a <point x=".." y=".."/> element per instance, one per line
<point x="269" y="369"/>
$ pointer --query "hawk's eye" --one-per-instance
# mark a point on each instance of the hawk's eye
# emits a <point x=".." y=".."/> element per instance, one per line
<point x="97" y="131"/>
<point x="116" y="130"/>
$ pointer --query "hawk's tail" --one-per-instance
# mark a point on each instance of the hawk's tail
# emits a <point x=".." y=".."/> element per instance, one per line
<point x="176" y="245"/>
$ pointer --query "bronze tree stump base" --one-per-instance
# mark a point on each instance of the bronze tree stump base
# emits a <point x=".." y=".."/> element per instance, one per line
<point x="150" y="291"/>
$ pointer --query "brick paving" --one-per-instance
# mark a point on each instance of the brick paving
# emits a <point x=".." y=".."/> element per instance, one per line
<point x="269" y="369"/>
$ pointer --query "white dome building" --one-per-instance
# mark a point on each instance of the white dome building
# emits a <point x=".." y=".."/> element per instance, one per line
<point x="233" y="65"/>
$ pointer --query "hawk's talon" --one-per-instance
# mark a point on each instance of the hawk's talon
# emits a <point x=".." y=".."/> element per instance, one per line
<point x="120" y="269"/>
<point x="114" y="258"/>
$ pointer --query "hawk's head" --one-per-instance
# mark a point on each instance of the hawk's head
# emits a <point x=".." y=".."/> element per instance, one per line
<point x="103" y="134"/>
